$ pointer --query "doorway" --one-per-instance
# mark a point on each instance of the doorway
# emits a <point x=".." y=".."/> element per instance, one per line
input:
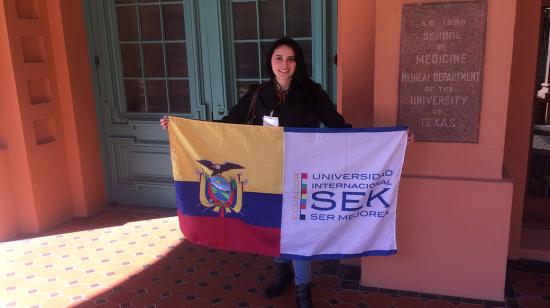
<point x="188" y="58"/>
<point x="536" y="211"/>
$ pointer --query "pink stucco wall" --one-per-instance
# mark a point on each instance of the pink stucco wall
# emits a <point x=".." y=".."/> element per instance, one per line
<point x="454" y="204"/>
<point x="356" y="61"/>
<point x="50" y="159"/>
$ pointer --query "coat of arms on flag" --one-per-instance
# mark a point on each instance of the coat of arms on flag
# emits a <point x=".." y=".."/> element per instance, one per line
<point x="300" y="193"/>
<point x="219" y="192"/>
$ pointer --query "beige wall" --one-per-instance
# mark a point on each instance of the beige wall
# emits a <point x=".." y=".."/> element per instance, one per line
<point x="13" y="135"/>
<point x="454" y="205"/>
<point x="356" y="61"/>
<point x="49" y="147"/>
<point x="8" y="126"/>
<point x="78" y="107"/>
<point x="452" y="238"/>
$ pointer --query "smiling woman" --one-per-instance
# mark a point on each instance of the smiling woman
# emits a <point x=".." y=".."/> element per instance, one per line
<point x="283" y="65"/>
<point x="289" y="95"/>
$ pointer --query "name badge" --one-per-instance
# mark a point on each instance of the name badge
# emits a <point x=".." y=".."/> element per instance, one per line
<point x="271" y="121"/>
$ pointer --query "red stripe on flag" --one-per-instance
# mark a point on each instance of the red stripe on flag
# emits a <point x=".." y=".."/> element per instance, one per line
<point x="230" y="234"/>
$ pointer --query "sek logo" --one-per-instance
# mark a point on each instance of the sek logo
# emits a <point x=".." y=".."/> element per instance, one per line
<point x="342" y="196"/>
<point x="349" y="200"/>
<point x="352" y="204"/>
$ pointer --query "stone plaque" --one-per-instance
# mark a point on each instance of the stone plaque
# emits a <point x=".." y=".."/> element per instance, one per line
<point x="441" y="70"/>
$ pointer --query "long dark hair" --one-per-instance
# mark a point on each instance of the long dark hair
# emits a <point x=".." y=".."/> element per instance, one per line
<point x="301" y="75"/>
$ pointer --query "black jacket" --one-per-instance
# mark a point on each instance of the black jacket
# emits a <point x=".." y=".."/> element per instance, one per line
<point x="306" y="106"/>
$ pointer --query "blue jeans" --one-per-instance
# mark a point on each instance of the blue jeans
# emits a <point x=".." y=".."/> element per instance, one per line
<point x="302" y="269"/>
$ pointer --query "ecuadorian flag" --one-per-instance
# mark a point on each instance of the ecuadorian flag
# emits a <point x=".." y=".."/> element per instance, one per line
<point x="299" y="193"/>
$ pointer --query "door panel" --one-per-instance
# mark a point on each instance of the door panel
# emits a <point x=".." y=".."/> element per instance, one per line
<point x="142" y="53"/>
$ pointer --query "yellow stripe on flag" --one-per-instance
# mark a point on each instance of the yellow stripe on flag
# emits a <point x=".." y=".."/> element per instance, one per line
<point x="256" y="148"/>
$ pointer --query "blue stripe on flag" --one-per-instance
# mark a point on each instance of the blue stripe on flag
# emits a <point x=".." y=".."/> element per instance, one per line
<point x="344" y="130"/>
<point x="259" y="209"/>
<point x="370" y="253"/>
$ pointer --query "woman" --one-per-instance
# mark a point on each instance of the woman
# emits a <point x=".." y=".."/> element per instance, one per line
<point x="290" y="94"/>
<point x="290" y="98"/>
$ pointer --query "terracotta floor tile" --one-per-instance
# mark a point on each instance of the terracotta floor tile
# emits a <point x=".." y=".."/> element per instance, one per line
<point x="84" y="304"/>
<point x="89" y="263"/>
<point x="245" y="282"/>
<point x="379" y="300"/>
<point x="230" y="296"/>
<point x="208" y="264"/>
<point x="183" y="289"/>
<point x="171" y="275"/>
<point x="286" y="300"/>
<point x="172" y="302"/>
<point x="323" y="293"/>
<point x="113" y="280"/>
<point x="54" y="271"/>
<point x="97" y="291"/>
<point x="530" y="289"/>
<point x="119" y="297"/>
<point x="120" y="257"/>
<point x="145" y="299"/>
<point x="123" y="272"/>
<point x="408" y="302"/>
<point x="256" y="271"/>
<point x="518" y="276"/>
<point x="159" y="287"/>
<point x="11" y="281"/>
<point x="75" y="289"/>
<point x="352" y="297"/>
<point x="57" y="302"/>
<point x="6" y="298"/>
<point x="258" y="299"/>
<point x="345" y="305"/>
<point x="28" y="300"/>
<point x="196" y="277"/>
<point x="54" y="286"/>
<point x="18" y="274"/>
<point x="534" y="303"/>
<point x="135" y="283"/>
<point x="106" y="305"/>
<point x="220" y="279"/>
<point x="25" y="259"/>
<point x="327" y="281"/>
<point x="49" y="259"/>
<point x="206" y="292"/>
<point x="434" y="303"/>
<point x="545" y="278"/>
<point x="70" y="275"/>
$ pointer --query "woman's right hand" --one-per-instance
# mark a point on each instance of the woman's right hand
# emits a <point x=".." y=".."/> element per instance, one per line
<point x="164" y="122"/>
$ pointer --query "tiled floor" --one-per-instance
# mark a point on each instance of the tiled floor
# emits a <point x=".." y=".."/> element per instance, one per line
<point x="136" y="257"/>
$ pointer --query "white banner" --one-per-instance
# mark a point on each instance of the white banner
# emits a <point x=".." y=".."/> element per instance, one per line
<point x="340" y="192"/>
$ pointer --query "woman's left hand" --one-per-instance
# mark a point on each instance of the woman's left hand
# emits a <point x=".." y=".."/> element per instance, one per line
<point x="164" y="122"/>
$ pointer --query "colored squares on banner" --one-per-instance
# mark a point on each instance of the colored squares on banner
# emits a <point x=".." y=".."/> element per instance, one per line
<point x="303" y="199"/>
